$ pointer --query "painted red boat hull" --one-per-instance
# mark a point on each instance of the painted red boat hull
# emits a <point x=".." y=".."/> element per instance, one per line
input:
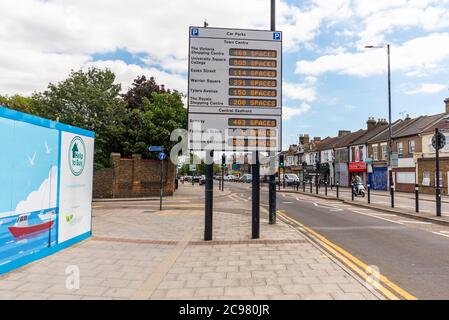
<point x="18" y="232"/>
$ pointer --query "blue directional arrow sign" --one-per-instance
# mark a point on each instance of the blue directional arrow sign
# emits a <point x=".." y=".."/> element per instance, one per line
<point x="156" y="148"/>
<point x="161" y="156"/>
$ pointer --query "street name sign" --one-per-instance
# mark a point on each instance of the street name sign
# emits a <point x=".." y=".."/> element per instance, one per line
<point x="235" y="89"/>
<point x="156" y="148"/>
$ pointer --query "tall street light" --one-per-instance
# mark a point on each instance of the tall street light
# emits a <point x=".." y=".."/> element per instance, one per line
<point x="390" y="143"/>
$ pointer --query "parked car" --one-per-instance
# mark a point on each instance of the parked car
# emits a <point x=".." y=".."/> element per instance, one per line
<point x="202" y="180"/>
<point x="196" y="178"/>
<point x="230" y="177"/>
<point x="247" y="178"/>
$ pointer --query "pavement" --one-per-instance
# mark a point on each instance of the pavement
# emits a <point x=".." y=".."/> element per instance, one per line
<point x="139" y="252"/>
<point x="380" y="200"/>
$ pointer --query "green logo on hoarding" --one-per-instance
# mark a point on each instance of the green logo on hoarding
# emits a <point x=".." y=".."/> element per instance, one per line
<point x="77" y="156"/>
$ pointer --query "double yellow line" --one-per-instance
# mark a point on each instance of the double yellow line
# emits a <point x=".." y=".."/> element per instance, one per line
<point x="389" y="289"/>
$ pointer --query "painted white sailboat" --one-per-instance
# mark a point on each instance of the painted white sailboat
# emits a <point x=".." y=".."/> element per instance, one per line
<point x="50" y="215"/>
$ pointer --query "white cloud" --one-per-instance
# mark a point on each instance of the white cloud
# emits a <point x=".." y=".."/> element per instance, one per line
<point x="428" y="88"/>
<point x="305" y="91"/>
<point x="288" y="112"/>
<point x="420" y="53"/>
<point x="126" y="73"/>
<point x="301" y="25"/>
<point x="43" y="198"/>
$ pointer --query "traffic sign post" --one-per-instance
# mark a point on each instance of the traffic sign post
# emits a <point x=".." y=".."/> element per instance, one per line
<point x="235" y="95"/>
<point x="438" y="142"/>
<point x="161" y="156"/>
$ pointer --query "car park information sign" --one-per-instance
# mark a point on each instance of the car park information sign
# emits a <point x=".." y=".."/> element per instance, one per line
<point x="235" y="89"/>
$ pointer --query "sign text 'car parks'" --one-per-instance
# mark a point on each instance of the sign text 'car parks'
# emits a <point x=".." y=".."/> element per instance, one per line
<point x="235" y="89"/>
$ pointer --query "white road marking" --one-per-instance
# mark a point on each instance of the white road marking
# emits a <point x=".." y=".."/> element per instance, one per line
<point x="383" y="214"/>
<point x="414" y="222"/>
<point x="440" y="234"/>
<point x="287" y="202"/>
<point x="327" y="207"/>
<point x="377" y="217"/>
<point x="444" y="231"/>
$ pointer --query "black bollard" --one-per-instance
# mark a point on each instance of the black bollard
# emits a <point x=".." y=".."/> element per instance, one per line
<point x="369" y="193"/>
<point x="417" y="198"/>
<point x="325" y="188"/>
<point x="338" y="194"/>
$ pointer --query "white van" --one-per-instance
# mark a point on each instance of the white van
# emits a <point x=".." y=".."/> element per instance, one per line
<point x="290" y="179"/>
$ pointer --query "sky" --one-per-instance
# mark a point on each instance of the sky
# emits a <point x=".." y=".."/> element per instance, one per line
<point x="330" y="81"/>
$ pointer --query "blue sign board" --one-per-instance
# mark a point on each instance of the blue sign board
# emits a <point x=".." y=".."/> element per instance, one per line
<point x="161" y="156"/>
<point x="156" y="148"/>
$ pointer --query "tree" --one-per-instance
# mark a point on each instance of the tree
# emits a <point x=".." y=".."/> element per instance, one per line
<point x="156" y="122"/>
<point x="153" y="113"/>
<point x="140" y="89"/>
<point x="16" y="102"/>
<point x="90" y="100"/>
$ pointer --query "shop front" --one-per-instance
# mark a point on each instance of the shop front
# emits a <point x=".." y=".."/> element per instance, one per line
<point x="325" y="172"/>
<point x="379" y="178"/>
<point x="358" y="169"/>
<point x="342" y="174"/>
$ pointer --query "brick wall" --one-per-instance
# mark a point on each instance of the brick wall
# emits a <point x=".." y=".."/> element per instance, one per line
<point x="428" y="164"/>
<point x="403" y="187"/>
<point x="133" y="178"/>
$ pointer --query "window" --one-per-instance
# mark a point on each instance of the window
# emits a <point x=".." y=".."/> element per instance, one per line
<point x="411" y="146"/>
<point x="375" y="152"/>
<point x="400" y="147"/>
<point x="361" y="154"/>
<point x="384" y="152"/>
<point x="426" y="178"/>
<point x="352" y="154"/>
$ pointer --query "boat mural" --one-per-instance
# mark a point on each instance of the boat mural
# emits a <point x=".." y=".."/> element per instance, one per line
<point x="22" y="228"/>
<point x="26" y="234"/>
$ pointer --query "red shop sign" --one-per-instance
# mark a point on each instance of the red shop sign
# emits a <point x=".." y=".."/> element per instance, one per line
<point x="357" y="167"/>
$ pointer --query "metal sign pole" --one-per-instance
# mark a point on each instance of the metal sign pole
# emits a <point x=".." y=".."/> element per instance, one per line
<point x="209" y="193"/>
<point x="255" y="169"/>
<point x="161" y="185"/>
<point x="272" y="179"/>
<point x="437" y="173"/>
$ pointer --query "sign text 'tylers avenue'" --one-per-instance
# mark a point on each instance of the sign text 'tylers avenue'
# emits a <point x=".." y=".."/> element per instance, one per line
<point x="235" y="89"/>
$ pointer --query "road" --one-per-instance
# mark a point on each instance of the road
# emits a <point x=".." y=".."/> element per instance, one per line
<point x="411" y="253"/>
<point x="402" y="200"/>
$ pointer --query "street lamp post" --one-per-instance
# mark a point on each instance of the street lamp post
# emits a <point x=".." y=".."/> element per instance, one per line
<point x="390" y="133"/>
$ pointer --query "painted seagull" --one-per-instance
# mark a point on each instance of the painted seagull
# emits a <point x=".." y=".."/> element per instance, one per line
<point x="31" y="160"/>
<point x="47" y="149"/>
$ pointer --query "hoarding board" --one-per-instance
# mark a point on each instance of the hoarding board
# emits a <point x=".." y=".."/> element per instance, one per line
<point x="75" y="204"/>
<point x="42" y="195"/>
<point x="235" y="86"/>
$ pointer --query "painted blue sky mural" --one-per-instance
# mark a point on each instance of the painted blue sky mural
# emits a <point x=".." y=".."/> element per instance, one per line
<point x="32" y="152"/>
<point x="331" y="81"/>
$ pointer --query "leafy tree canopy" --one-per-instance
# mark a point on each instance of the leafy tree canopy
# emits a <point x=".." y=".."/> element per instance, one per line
<point x="16" y="102"/>
<point x="90" y="100"/>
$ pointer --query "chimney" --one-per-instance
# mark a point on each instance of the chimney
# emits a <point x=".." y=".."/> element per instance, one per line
<point x="316" y="139"/>
<point x="371" y="123"/>
<point x="342" y="133"/>
<point x="304" y="139"/>
<point x="446" y="102"/>
<point x="407" y="118"/>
